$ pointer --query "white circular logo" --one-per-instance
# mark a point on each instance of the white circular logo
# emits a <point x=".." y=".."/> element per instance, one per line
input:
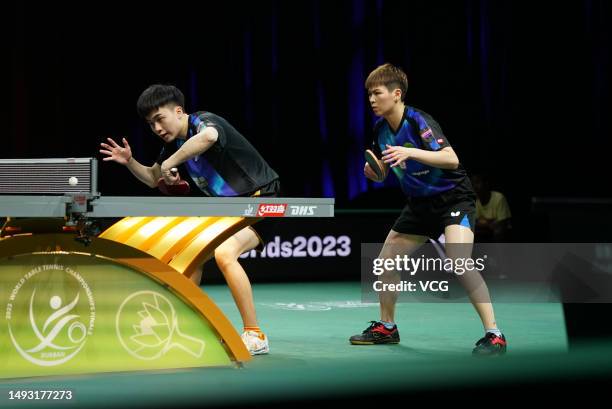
<point x="50" y="314"/>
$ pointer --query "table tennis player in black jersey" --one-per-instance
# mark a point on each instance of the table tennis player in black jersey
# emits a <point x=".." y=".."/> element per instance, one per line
<point x="219" y="162"/>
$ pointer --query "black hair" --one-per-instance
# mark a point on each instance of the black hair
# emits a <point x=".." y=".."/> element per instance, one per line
<point x="390" y="76"/>
<point x="157" y="96"/>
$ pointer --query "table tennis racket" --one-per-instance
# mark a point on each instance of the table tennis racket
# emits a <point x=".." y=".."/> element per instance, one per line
<point x="181" y="187"/>
<point x="376" y="164"/>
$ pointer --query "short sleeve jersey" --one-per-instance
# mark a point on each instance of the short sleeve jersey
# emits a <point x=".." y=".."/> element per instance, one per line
<point x="230" y="167"/>
<point x="418" y="130"/>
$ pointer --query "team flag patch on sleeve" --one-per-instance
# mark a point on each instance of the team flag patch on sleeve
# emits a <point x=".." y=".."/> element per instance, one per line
<point x="427" y="134"/>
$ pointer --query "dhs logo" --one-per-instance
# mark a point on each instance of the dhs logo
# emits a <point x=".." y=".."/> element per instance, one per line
<point x="302" y="210"/>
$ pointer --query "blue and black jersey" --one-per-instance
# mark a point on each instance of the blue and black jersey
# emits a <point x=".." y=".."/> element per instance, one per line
<point x="231" y="167"/>
<point x="418" y="130"/>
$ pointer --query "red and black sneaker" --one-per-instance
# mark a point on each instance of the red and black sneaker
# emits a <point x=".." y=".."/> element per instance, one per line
<point x="490" y="345"/>
<point x="376" y="333"/>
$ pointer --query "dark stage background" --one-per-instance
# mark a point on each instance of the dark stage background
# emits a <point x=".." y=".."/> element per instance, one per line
<point x="520" y="88"/>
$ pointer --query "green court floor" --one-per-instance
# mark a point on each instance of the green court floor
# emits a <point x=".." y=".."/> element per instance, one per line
<point x="309" y="324"/>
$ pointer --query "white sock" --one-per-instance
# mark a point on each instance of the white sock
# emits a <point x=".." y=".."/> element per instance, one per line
<point x="387" y="324"/>
<point x="493" y="331"/>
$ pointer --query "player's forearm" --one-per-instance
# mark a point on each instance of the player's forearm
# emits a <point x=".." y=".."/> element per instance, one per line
<point x="142" y="173"/>
<point x="194" y="146"/>
<point x="442" y="159"/>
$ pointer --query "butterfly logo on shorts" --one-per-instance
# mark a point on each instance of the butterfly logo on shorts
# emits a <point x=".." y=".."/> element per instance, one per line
<point x="455" y="214"/>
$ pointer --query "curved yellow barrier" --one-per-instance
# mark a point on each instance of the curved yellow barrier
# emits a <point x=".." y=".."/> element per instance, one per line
<point x="142" y="262"/>
<point x="184" y="243"/>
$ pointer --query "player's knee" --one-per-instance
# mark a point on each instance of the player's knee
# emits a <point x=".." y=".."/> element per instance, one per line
<point x="392" y="247"/>
<point x="225" y="256"/>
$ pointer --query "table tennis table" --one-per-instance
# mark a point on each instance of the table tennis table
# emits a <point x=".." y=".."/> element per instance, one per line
<point x="80" y="301"/>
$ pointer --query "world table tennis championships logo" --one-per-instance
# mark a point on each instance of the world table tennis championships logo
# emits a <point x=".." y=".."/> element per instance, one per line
<point x="147" y="327"/>
<point x="249" y="211"/>
<point x="50" y="314"/>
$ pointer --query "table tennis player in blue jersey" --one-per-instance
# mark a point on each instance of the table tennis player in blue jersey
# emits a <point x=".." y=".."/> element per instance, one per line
<point x="439" y="197"/>
<point x="219" y="162"/>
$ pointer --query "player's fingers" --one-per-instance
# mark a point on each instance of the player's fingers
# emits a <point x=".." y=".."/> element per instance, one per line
<point x="171" y="180"/>
<point x="125" y="143"/>
<point x="113" y="143"/>
<point x="107" y="158"/>
<point x="106" y="152"/>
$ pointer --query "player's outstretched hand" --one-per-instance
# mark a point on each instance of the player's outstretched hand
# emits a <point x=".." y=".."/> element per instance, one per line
<point x="120" y="154"/>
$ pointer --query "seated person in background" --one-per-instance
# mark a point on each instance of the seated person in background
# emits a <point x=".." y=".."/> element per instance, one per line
<point x="493" y="217"/>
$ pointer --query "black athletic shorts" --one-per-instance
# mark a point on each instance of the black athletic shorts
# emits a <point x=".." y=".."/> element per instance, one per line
<point x="428" y="216"/>
<point x="272" y="189"/>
